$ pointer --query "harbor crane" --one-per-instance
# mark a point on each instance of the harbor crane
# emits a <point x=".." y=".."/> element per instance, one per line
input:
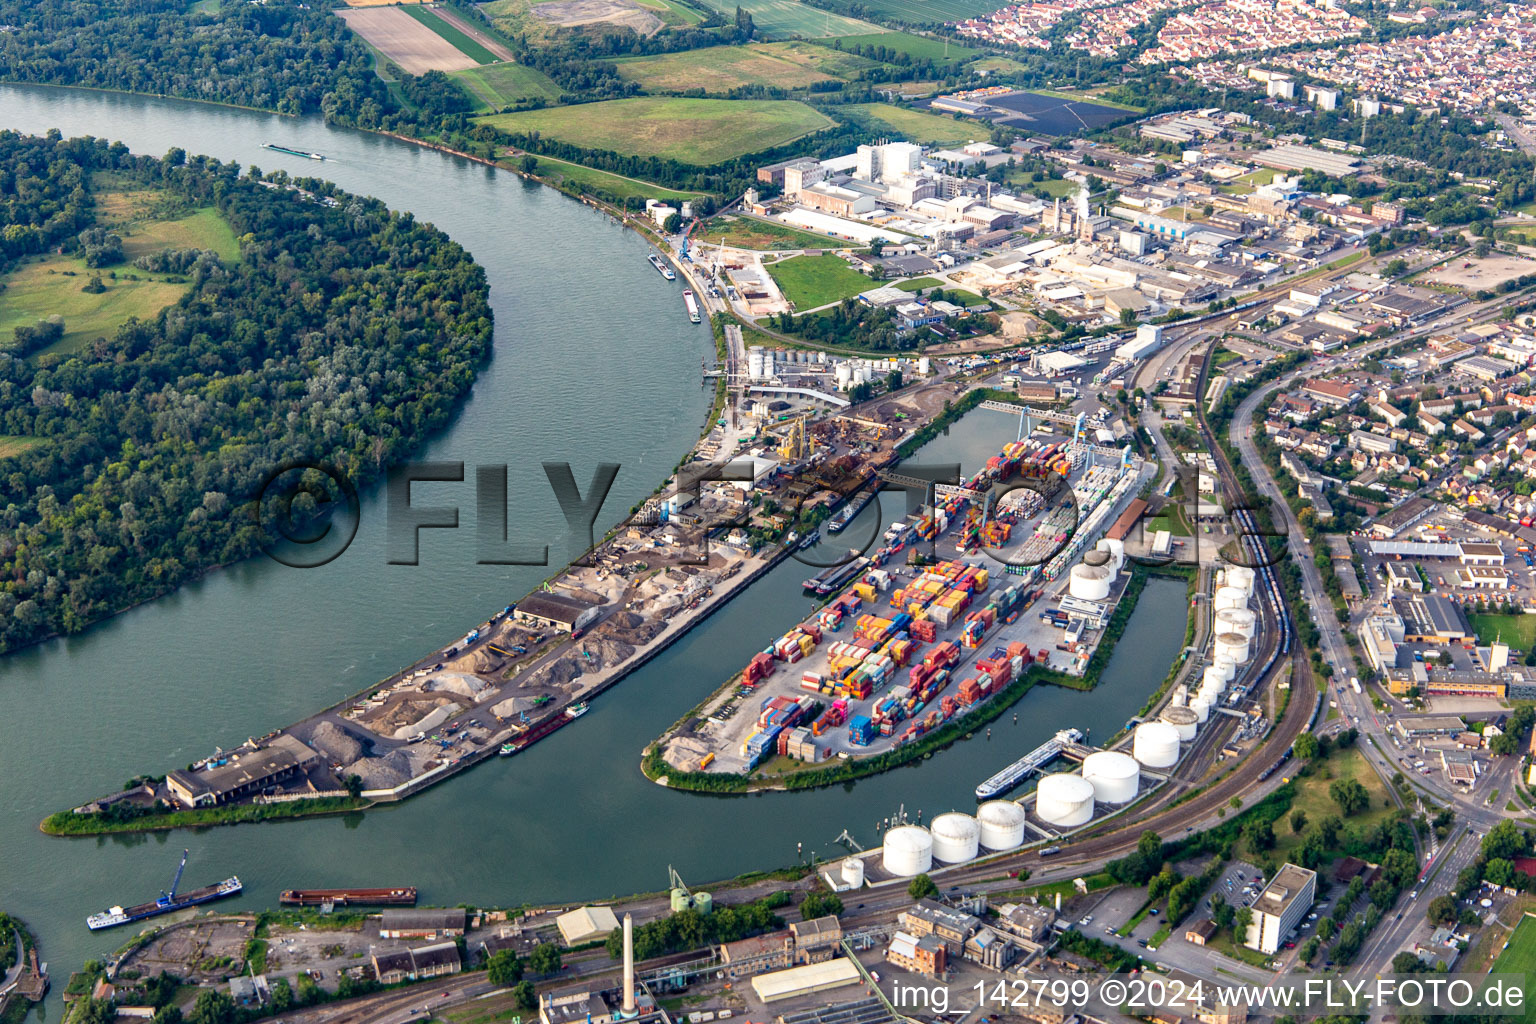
<point x="166" y="897"/>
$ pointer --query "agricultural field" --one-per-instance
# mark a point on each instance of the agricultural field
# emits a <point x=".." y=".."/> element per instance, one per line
<point x="694" y="131"/>
<point x="542" y="21"/>
<point x="921" y="47"/>
<point x="917" y="125"/>
<point x="578" y="175"/>
<point x="148" y="221"/>
<point x="748" y="233"/>
<point x="412" y="45"/>
<point x="501" y="85"/>
<point x="928" y="12"/>
<point x="787" y="18"/>
<point x="719" y="69"/>
<point x="467" y="37"/>
<point x="811" y="281"/>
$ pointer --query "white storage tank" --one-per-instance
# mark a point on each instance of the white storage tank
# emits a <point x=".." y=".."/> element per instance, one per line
<point x="1236" y="620"/>
<point x="1116" y="549"/>
<point x="955" y="837"/>
<point x="1233" y="645"/>
<point x="1202" y="709"/>
<point x="1090" y="582"/>
<point x="1180" y="695"/>
<point x="1213" y="676"/>
<point x="1229" y="597"/>
<point x="1002" y="824"/>
<point x="1115" y="776"/>
<point x="908" y="851"/>
<point x="1096" y="557"/>
<point x="1227" y="666"/>
<point x="1241" y="577"/>
<point x="853" y="872"/>
<point x="1183" y="721"/>
<point x="1064" y="799"/>
<point x="1156" y="745"/>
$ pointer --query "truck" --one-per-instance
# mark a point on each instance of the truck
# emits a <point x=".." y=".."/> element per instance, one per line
<point x="1354" y="683"/>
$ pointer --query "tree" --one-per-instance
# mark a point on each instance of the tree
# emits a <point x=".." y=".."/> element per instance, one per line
<point x="1349" y="794"/>
<point x="1499" y="871"/>
<point x="504" y="968"/>
<point x="1305" y="746"/>
<point x="922" y="887"/>
<point x="1407" y="963"/>
<point x="354" y="784"/>
<point x="212" y="1007"/>
<point x="545" y="958"/>
<point x="1240" y="923"/>
<point x="1504" y="743"/>
<point x="1161" y="883"/>
<point x="1504" y="840"/>
<point x="820" y="904"/>
<point x="525" y="996"/>
<point x="1224" y="915"/>
<point x="672" y="224"/>
<point x="1127" y="316"/>
<point x="528" y="163"/>
<point x="1259" y="835"/>
<point x="1442" y="910"/>
<point x="1298" y="821"/>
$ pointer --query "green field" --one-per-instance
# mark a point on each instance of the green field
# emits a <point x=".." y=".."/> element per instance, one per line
<point x="1519" y="631"/>
<point x="11" y="444"/>
<point x="521" y="19"/>
<point x="501" y="85"/>
<point x="811" y="281"/>
<point x="673" y="13"/>
<point x="719" y="69"/>
<point x="749" y="233"/>
<point x="784" y="18"/>
<point x="1520" y="958"/>
<point x="917" y="125"/>
<point x="201" y="229"/>
<point x="461" y="42"/>
<point x="693" y="131"/>
<point x="927" y="12"/>
<point x="1312" y="797"/>
<point x="563" y="171"/>
<point x="922" y="47"/>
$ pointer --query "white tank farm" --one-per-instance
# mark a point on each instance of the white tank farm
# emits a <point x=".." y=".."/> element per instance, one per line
<point x="1180" y="695"/>
<point x="1116" y="549"/>
<point x="1064" y="799"/>
<point x="1002" y="824"/>
<point x="1202" y="709"/>
<point x="1096" y="557"/>
<point x="1090" y="582"/>
<point x="852" y="872"/>
<point x="1115" y="776"/>
<point x="908" y="851"/>
<point x="1213" y="676"/>
<point x="955" y="837"/>
<point x="1183" y="721"/>
<point x="1227" y="665"/>
<point x="1236" y="620"/>
<point x="1233" y="645"/>
<point x="1156" y="745"/>
<point x="1229" y="597"/>
<point x="1241" y="577"/>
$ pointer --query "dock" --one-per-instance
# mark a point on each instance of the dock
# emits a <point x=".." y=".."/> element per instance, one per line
<point x="1036" y="759"/>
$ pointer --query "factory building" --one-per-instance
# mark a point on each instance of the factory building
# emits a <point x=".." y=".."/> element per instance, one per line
<point x="920" y="954"/>
<point x="951" y="927"/>
<point x="586" y="924"/>
<point x="807" y="980"/>
<point x="434" y="961"/>
<point x="1281" y="907"/>
<point x="245" y="772"/>
<point x="556" y="611"/>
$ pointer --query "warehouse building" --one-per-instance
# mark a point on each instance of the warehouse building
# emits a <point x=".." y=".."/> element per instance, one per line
<point x="434" y="961"/>
<point x="586" y="924"/>
<point x="1281" y="907"/>
<point x="556" y="611"/>
<point x="807" y="980"/>
<point x="411" y="923"/>
<point x="245" y="773"/>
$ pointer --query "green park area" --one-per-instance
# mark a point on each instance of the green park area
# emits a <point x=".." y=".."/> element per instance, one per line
<point x="921" y="47"/>
<point x="751" y="233"/>
<point x="811" y="281"/>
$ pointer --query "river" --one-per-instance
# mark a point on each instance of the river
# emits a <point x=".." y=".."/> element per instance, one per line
<point x="594" y="361"/>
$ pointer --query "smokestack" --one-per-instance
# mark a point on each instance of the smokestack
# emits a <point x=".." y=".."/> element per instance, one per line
<point x="629" y="965"/>
<point x="1058" y="903"/>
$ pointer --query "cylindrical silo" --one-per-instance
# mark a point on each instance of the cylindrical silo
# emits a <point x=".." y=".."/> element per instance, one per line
<point x="1227" y="665"/>
<point x="703" y="902"/>
<point x="1183" y="720"/>
<point x="908" y="851"/>
<point x="1115" y="776"/>
<point x="1201" y="706"/>
<point x="955" y="837"/>
<point x="1180" y="695"/>
<point x="1213" y="676"/>
<point x="1089" y="582"/>
<point x="1229" y="597"/>
<point x="1002" y="824"/>
<point x="1064" y="799"/>
<point x="1236" y="620"/>
<point x="853" y="872"/>
<point x="1156" y="745"/>
<point x="1116" y="549"/>
<point x="1241" y="577"/>
<point x="1233" y="645"/>
<point x="1096" y="557"/>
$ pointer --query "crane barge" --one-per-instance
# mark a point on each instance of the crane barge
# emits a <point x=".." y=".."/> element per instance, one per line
<point x="167" y="902"/>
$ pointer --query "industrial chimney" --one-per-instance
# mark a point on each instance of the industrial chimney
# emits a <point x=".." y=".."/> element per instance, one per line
<point x="629" y="966"/>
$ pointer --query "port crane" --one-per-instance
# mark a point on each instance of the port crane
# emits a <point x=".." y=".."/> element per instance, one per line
<point x="166" y="897"/>
<point x="683" y="250"/>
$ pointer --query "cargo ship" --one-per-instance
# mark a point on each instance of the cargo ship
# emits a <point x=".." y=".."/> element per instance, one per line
<point x="692" y="304"/>
<point x="401" y="897"/>
<point x="846" y="516"/>
<point x="292" y="152"/>
<point x="532" y="734"/>
<point x="834" y="576"/>
<point x="1042" y="755"/>
<point x="661" y="267"/>
<point x="168" y="902"/>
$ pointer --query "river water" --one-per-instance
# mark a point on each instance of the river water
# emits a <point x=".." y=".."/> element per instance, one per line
<point x="594" y="361"/>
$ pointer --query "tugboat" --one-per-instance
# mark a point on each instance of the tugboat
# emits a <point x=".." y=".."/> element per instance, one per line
<point x="578" y="709"/>
<point x="508" y="749"/>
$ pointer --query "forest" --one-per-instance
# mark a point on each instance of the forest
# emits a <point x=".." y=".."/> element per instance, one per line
<point x="344" y="333"/>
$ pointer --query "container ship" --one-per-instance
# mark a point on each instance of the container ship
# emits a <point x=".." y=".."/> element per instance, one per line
<point x="167" y="903"/>
<point x="834" y="576"/>
<point x="401" y="897"/>
<point x="661" y="267"/>
<point x="292" y="152"/>
<point x="692" y="304"/>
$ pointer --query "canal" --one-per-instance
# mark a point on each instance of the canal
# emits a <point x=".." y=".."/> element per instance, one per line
<point x="594" y="361"/>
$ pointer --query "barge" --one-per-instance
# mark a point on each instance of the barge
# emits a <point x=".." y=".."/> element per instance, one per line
<point x="292" y="152"/>
<point x="834" y="576"/>
<point x="400" y="897"/>
<point x="661" y="267"/>
<point x="692" y="304"/>
<point x="1042" y="755"/>
<point x="167" y="903"/>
